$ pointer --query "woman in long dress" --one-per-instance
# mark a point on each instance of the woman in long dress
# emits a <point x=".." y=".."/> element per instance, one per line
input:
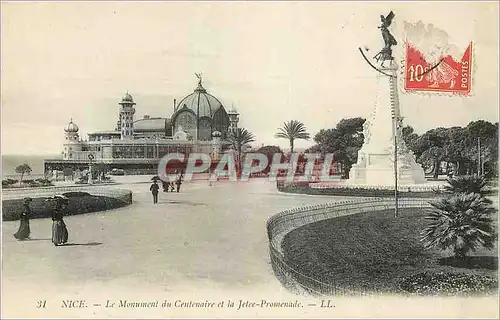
<point x="23" y="232"/>
<point x="59" y="230"/>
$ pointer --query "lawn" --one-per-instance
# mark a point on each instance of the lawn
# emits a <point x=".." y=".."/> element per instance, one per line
<point x="375" y="252"/>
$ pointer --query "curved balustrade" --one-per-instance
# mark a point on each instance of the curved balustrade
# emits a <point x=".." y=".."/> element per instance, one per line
<point x="279" y="225"/>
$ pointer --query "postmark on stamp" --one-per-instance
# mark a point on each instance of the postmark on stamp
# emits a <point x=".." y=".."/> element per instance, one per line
<point x="434" y="65"/>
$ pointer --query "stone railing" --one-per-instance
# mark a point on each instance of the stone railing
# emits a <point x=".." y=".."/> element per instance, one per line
<point x="286" y="221"/>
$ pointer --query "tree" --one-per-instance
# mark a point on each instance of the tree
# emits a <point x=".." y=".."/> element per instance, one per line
<point x="239" y="139"/>
<point x="410" y="138"/>
<point x="22" y="170"/>
<point x="343" y="141"/>
<point x="487" y="134"/>
<point x="456" y="149"/>
<point x="461" y="222"/>
<point x="431" y="148"/>
<point x="100" y="171"/>
<point x="269" y="151"/>
<point x="458" y="146"/>
<point x="292" y="130"/>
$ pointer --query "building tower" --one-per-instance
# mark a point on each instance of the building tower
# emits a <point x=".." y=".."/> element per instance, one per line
<point x="126" y="119"/>
<point x="234" y="117"/>
<point x="216" y="145"/>
<point x="72" y="141"/>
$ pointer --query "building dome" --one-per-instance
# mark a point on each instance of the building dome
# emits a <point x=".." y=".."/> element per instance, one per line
<point x="201" y="103"/>
<point x="71" y="127"/>
<point x="149" y="124"/>
<point x="200" y="114"/>
<point x="127" y="98"/>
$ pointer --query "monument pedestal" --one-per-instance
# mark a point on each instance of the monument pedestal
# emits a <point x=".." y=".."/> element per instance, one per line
<point x="375" y="165"/>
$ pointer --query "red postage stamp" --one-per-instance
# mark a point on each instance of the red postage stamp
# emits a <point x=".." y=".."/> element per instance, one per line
<point x="432" y="65"/>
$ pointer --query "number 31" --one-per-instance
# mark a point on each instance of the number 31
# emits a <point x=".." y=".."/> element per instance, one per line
<point x="41" y="303"/>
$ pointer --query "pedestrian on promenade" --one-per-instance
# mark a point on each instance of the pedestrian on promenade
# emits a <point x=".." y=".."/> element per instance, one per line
<point x="172" y="186"/>
<point x="178" y="183"/>
<point x="59" y="229"/>
<point x="165" y="186"/>
<point x="154" y="191"/>
<point x="23" y="232"/>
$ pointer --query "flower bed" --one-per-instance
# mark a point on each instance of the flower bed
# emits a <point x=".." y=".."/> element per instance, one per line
<point x="373" y="252"/>
<point x="441" y="283"/>
<point x="355" y="192"/>
<point x="79" y="203"/>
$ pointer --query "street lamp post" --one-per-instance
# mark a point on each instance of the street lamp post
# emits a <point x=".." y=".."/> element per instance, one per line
<point x="479" y="156"/>
<point x="396" y="167"/>
<point x="91" y="158"/>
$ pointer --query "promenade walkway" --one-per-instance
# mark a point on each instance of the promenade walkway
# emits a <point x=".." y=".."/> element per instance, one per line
<point x="204" y="242"/>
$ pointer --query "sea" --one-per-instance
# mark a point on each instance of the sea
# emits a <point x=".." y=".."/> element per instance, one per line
<point x="11" y="161"/>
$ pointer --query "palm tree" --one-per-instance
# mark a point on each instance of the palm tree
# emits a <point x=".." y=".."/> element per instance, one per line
<point x="241" y="138"/>
<point x="461" y="222"/>
<point x="292" y="130"/>
<point x="467" y="184"/>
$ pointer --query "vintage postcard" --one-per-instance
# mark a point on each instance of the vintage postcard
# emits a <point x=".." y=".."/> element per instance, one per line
<point x="249" y="159"/>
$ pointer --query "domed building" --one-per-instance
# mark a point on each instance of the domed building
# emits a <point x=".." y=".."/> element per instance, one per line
<point x="200" y="114"/>
<point x="199" y="123"/>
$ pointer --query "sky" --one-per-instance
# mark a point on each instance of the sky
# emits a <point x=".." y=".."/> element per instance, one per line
<point x="272" y="61"/>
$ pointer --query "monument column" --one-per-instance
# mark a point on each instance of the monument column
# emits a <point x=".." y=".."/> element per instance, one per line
<point x="375" y="165"/>
<point x="384" y="144"/>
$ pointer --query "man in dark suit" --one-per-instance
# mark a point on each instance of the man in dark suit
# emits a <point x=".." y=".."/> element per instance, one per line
<point x="154" y="190"/>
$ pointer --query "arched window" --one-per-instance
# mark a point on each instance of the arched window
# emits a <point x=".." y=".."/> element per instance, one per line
<point x="220" y="122"/>
<point x="186" y="120"/>
<point x="205" y="129"/>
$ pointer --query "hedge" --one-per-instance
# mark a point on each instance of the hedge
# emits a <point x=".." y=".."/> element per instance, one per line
<point x="355" y="192"/>
<point x="78" y="204"/>
<point x="11" y="183"/>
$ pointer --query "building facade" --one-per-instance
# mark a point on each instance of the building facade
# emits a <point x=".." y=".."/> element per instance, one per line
<point x="199" y="123"/>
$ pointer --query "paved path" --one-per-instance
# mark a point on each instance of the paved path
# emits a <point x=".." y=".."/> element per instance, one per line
<point x="208" y="240"/>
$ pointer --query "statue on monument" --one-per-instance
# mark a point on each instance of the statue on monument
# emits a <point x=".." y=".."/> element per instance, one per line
<point x="386" y="53"/>
<point x="199" y="76"/>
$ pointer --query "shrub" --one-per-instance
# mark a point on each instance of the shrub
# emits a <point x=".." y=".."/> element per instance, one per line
<point x="31" y="183"/>
<point x="44" y="182"/>
<point x="9" y="182"/>
<point x="74" y="194"/>
<point x="429" y="283"/>
<point x="467" y="184"/>
<point x="355" y="192"/>
<point x="461" y="222"/>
